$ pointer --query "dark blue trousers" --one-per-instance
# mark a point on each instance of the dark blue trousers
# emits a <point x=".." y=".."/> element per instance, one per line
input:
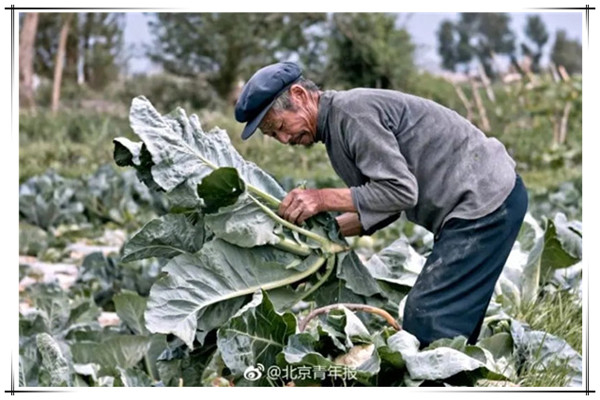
<point x="453" y="291"/>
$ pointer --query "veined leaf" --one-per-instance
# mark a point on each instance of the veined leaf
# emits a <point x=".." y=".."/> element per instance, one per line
<point x="167" y="237"/>
<point x="220" y="188"/>
<point x="242" y="224"/>
<point x="123" y="351"/>
<point x="562" y="245"/>
<point x="255" y="335"/>
<point x="182" y="152"/>
<point x="130" y="308"/>
<point x="220" y="271"/>
<point x="398" y="263"/>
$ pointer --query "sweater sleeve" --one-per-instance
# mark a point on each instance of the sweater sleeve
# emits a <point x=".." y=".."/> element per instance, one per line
<point x="390" y="188"/>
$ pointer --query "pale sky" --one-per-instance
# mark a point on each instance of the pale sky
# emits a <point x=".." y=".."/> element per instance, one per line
<point x="422" y="27"/>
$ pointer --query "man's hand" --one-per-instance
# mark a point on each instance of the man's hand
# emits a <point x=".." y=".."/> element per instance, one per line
<point x="349" y="224"/>
<point x="301" y="204"/>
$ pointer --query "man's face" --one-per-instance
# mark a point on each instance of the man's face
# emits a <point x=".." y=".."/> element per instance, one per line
<point x="288" y="127"/>
<point x="295" y="126"/>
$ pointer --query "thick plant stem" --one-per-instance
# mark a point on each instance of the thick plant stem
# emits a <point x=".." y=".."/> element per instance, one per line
<point x="317" y="238"/>
<point x="149" y="368"/>
<point x="270" y="200"/>
<point x="327" y="245"/>
<point x="293" y="247"/>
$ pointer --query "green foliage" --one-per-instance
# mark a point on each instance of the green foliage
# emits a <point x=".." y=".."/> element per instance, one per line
<point x="535" y="30"/>
<point x="566" y="52"/>
<point x="168" y="91"/>
<point x="367" y="50"/>
<point x="225" y="46"/>
<point x="72" y="143"/>
<point x="95" y="38"/>
<point x="475" y="35"/>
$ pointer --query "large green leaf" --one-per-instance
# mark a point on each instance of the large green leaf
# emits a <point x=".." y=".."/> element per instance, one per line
<point x="215" y="315"/>
<point x="182" y="152"/>
<point x="546" y="349"/>
<point x="357" y="277"/>
<point x="130" y="308"/>
<point x="255" y="335"/>
<point x="243" y="224"/>
<point x="562" y="245"/>
<point x="220" y="271"/>
<point x="442" y="362"/>
<point x="123" y="351"/>
<point x="132" y="377"/>
<point x="167" y="237"/>
<point x="398" y="263"/>
<point x="220" y="188"/>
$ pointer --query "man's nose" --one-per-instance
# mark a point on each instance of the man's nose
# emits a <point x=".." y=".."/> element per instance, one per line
<point x="283" y="137"/>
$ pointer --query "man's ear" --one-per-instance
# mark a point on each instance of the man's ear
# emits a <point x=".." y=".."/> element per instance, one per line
<point x="299" y="94"/>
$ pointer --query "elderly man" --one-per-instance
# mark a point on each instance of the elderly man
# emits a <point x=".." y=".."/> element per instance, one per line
<point x="401" y="153"/>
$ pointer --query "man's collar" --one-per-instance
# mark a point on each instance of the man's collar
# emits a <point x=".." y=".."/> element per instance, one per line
<point x="323" y="111"/>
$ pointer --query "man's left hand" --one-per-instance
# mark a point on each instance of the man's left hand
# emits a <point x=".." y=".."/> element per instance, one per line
<point x="301" y="204"/>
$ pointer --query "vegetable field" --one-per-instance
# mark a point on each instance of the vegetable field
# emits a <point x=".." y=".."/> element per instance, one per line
<point x="170" y="267"/>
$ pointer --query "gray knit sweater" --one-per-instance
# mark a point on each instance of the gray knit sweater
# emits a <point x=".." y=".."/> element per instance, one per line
<point x="399" y="152"/>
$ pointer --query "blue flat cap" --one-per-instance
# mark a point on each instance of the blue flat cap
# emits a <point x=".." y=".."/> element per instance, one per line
<point x="261" y="91"/>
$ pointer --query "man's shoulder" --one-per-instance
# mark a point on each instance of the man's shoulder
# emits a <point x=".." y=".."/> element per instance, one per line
<point x="359" y="99"/>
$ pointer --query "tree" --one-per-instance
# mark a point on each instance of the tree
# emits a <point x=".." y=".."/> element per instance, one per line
<point x="26" y="52"/>
<point x="476" y="36"/>
<point x="367" y="49"/>
<point x="535" y="31"/>
<point x="101" y="44"/>
<point x="221" y="47"/>
<point x="446" y="45"/>
<point x="58" y="65"/>
<point x="95" y="40"/>
<point x="566" y="52"/>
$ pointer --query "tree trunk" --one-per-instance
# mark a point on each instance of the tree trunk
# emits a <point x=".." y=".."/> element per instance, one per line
<point x="58" y="66"/>
<point x="26" y="52"/>
<point x="484" y="122"/>
<point x="465" y="101"/>
<point x="562" y="137"/>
